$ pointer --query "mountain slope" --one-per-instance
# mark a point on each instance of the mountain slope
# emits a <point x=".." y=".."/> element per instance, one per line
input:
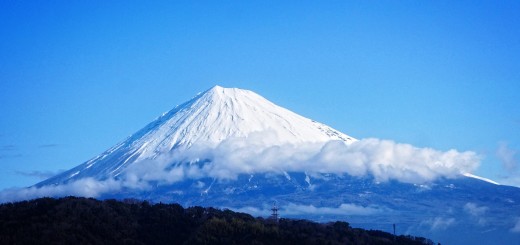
<point x="208" y="119"/>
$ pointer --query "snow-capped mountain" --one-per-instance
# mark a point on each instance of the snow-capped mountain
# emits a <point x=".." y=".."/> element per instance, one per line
<point x="209" y="118"/>
<point x="309" y="169"/>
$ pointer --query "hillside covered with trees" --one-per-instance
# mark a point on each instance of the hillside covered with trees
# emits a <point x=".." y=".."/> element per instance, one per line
<point x="74" y="220"/>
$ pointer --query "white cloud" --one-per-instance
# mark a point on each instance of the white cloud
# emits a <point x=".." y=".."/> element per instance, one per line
<point x="383" y="159"/>
<point x="343" y="209"/>
<point x="86" y="187"/>
<point x="292" y="209"/>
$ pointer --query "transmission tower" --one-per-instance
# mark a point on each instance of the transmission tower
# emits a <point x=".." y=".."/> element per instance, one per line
<point x="274" y="214"/>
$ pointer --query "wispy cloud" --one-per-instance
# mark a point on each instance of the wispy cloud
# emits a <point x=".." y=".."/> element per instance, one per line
<point x="477" y="212"/>
<point x="474" y="209"/>
<point x="48" y="145"/>
<point x="252" y="210"/>
<point x="343" y="209"/>
<point x="8" y="148"/>
<point x="510" y="164"/>
<point x="293" y="209"/>
<point x="9" y="151"/>
<point x="39" y="174"/>
<point x="510" y="180"/>
<point x="507" y="156"/>
<point x="439" y="223"/>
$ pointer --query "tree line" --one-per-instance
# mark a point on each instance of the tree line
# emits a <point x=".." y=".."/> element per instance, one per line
<point x="73" y="220"/>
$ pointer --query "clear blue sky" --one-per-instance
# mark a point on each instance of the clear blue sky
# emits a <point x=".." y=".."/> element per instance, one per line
<point x="77" y="77"/>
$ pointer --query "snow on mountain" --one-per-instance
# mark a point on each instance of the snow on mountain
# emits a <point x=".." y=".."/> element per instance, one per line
<point x="222" y="113"/>
<point x="480" y="178"/>
<point x="209" y="118"/>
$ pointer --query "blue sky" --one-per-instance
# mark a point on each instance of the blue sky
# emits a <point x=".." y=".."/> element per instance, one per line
<point x="77" y="77"/>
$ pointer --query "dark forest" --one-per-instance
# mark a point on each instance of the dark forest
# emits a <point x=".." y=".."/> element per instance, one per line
<point x="73" y="220"/>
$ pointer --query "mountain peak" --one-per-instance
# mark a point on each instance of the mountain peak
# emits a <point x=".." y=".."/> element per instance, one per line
<point x="217" y="88"/>
<point x="217" y="93"/>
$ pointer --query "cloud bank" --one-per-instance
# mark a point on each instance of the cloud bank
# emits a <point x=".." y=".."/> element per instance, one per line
<point x="383" y="159"/>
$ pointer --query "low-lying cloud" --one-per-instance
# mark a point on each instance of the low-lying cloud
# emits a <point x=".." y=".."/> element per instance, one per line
<point x="86" y="187"/>
<point x="292" y="209"/>
<point x="439" y="223"/>
<point x="383" y="159"/>
<point x="343" y="209"/>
